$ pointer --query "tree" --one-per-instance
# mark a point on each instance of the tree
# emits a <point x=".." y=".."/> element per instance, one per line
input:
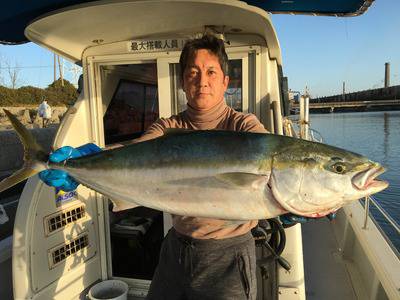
<point x="59" y="93"/>
<point x="1" y="69"/>
<point x="13" y="74"/>
<point x="55" y="93"/>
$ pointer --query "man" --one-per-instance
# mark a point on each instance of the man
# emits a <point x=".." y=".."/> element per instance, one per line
<point x="44" y="111"/>
<point x="203" y="258"/>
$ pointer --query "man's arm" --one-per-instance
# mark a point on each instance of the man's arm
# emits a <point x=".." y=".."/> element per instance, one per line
<point x="250" y="123"/>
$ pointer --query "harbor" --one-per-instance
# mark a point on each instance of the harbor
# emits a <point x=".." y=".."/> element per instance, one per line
<point x="374" y="134"/>
<point x="386" y="98"/>
<point x="351" y="106"/>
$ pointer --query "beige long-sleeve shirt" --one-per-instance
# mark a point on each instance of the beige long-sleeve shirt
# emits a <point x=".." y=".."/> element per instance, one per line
<point x="219" y="117"/>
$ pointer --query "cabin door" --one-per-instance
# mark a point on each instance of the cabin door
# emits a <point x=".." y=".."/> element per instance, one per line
<point x="132" y="101"/>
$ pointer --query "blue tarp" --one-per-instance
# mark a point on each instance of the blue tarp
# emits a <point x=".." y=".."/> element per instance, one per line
<point x="15" y="15"/>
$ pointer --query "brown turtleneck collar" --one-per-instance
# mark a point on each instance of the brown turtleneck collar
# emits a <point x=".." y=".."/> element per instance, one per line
<point x="211" y="116"/>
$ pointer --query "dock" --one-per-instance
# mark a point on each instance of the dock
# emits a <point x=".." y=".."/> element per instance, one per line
<point x="342" y="106"/>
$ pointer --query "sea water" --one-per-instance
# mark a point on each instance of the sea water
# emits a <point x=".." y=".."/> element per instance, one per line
<point x="377" y="136"/>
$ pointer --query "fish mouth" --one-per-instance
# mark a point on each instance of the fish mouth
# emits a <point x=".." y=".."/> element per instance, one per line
<point x="366" y="180"/>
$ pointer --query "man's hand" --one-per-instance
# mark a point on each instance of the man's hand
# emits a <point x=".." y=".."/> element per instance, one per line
<point x="59" y="178"/>
<point x="291" y="219"/>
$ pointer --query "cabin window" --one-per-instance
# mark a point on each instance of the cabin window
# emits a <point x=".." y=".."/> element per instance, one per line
<point x="134" y="105"/>
<point x="233" y="95"/>
<point x="234" y="92"/>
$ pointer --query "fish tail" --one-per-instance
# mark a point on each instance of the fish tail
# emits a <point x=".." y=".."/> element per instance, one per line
<point x="35" y="157"/>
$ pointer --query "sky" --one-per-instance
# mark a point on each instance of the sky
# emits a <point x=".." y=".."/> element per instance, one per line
<point x="323" y="52"/>
<point x="318" y="52"/>
<point x="34" y="64"/>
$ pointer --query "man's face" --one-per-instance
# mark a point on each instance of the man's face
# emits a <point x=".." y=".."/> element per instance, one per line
<point x="203" y="80"/>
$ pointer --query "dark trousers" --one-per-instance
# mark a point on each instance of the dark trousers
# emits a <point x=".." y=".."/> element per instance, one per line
<point x="205" y="269"/>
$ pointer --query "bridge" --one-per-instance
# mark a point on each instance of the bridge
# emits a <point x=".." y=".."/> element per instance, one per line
<point x="351" y="105"/>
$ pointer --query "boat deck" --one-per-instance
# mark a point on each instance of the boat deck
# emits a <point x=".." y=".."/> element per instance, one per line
<point x="325" y="272"/>
<point x="326" y="276"/>
<point x="6" y="290"/>
<point x="9" y="202"/>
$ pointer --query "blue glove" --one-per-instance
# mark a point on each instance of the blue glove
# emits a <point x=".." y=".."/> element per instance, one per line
<point x="61" y="179"/>
<point x="291" y="219"/>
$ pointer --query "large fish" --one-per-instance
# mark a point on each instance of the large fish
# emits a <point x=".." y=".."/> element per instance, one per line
<point x="218" y="174"/>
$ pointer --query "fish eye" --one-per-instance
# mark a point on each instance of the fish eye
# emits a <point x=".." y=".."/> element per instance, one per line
<point x="339" y="168"/>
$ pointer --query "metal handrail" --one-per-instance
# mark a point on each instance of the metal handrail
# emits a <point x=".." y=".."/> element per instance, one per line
<point x="290" y="130"/>
<point x="370" y="199"/>
<point x="313" y="137"/>
<point x="366" y="215"/>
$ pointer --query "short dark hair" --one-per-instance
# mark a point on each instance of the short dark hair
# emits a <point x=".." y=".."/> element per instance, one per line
<point x="209" y="42"/>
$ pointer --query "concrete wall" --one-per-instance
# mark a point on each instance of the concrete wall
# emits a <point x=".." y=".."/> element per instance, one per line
<point x="29" y="116"/>
<point x="11" y="150"/>
<point x="389" y="93"/>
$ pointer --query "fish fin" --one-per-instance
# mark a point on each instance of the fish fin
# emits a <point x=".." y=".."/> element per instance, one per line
<point x="230" y="223"/>
<point x="243" y="179"/>
<point x="119" y="205"/>
<point x="34" y="155"/>
<point x="26" y="138"/>
<point x="176" y="131"/>
<point x="16" y="178"/>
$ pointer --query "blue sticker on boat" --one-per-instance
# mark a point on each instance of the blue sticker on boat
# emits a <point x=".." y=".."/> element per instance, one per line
<point x="63" y="196"/>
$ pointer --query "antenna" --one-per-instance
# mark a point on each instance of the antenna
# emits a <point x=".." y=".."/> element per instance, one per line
<point x="75" y="71"/>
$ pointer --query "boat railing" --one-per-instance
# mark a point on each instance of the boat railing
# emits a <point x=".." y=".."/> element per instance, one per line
<point x="293" y="128"/>
<point x="370" y="200"/>
<point x="388" y="218"/>
<point x="315" y="135"/>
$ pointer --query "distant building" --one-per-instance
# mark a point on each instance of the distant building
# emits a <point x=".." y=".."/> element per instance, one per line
<point x="294" y="96"/>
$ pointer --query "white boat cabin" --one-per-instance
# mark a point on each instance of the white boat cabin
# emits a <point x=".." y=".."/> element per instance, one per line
<point x="63" y="243"/>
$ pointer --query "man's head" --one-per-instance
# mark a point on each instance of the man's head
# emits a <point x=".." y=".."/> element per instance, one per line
<point x="204" y="72"/>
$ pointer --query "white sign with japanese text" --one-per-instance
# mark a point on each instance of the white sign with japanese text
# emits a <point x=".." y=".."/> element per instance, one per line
<point x="156" y="45"/>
